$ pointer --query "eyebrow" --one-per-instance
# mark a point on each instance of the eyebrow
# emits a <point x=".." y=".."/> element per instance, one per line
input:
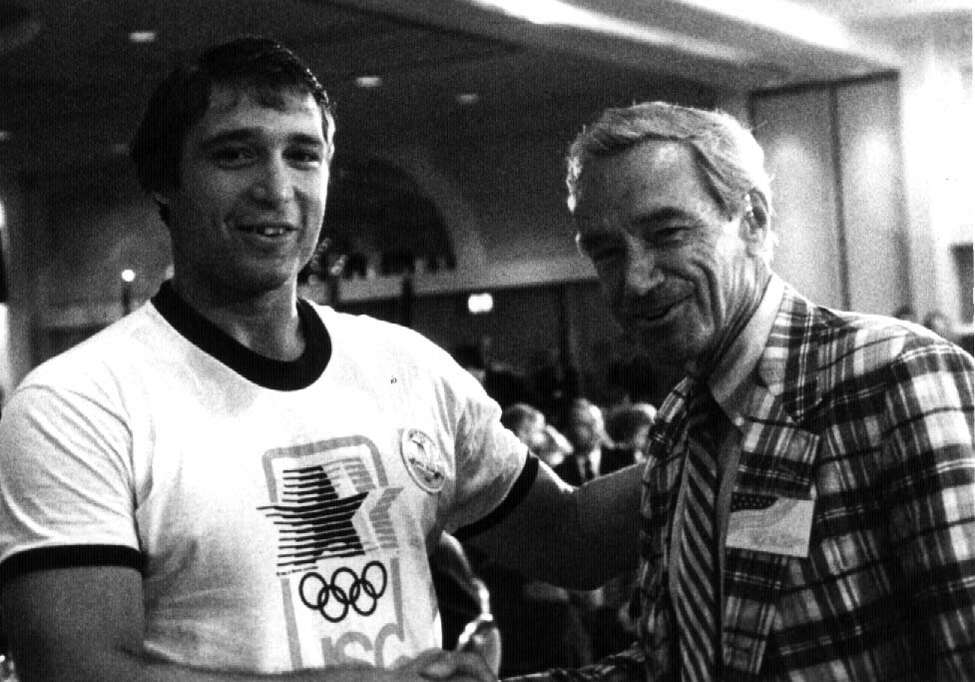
<point x="249" y="134"/>
<point x="663" y="214"/>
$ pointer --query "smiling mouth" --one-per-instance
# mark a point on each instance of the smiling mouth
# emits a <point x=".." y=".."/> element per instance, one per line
<point x="266" y="230"/>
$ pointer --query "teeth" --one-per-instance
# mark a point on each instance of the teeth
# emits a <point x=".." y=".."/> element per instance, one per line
<point x="266" y="231"/>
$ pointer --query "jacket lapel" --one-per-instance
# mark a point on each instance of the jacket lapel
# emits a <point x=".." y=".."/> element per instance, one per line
<point x="777" y="462"/>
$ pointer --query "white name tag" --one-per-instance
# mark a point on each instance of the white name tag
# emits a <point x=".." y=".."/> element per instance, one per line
<point x="782" y="528"/>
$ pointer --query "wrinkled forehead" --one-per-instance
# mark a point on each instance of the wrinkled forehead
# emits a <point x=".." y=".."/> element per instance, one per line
<point x="653" y="175"/>
<point x="652" y="160"/>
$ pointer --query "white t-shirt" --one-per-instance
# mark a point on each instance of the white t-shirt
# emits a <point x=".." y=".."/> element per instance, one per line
<point x="280" y="512"/>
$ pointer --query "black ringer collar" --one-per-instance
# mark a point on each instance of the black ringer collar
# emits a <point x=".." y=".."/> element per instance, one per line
<point x="279" y="375"/>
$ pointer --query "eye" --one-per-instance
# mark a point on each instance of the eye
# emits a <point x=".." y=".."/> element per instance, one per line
<point x="232" y="156"/>
<point x="671" y="235"/>
<point x="306" y="157"/>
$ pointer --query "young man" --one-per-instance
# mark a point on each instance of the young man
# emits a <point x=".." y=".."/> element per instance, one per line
<point x="233" y="483"/>
<point x="809" y="511"/>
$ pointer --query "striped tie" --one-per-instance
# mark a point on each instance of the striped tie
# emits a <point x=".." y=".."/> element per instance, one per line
<point x="695" y="602"/>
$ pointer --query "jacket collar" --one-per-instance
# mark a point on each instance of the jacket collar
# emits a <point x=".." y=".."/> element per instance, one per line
<point x="790" y="365"/>
<point x="778" y="453"/>
<point x="732" y="376"/>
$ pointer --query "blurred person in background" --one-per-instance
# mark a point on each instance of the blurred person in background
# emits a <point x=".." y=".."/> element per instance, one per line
<point x="527" y="423"/>
<point x="555" y="447"/>
<point x="609" y="619"/>
<point x="809" y="500"/>
<point x="233" y="482"/>
<point x="938" y="322"/>
<point x="592" y="452"/>
<point x="942" y="325"/>
<point x="555" y="381"/>
<point x="593" y="455"/>
<point x="628" y="426"/>
<point x="532" y="429"/>
<point x="906" y="312"/>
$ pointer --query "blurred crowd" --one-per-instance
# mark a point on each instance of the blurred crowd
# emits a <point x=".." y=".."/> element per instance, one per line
<point x="543" y="626"/>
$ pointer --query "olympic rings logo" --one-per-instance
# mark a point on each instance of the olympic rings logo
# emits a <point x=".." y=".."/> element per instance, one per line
<point x="333" y="598"/>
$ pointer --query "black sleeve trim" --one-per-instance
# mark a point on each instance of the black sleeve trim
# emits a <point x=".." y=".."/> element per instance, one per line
<point x="69" y="556"/>
<point x="518" y="492"/>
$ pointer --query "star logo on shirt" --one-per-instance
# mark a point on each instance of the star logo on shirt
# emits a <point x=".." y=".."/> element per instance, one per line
<point x="313" y="522"/>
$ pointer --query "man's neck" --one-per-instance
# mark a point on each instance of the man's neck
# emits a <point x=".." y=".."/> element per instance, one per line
<point x="703" y="366"/>
<point x="267" y="323"/>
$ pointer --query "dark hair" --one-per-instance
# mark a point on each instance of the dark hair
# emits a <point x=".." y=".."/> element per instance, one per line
<point x="259" y="66"/>
<point x="517" y="414"/>
<point x="623" y="422"/>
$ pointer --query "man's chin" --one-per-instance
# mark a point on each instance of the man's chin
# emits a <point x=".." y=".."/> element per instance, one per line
<point x="658" y="350"/>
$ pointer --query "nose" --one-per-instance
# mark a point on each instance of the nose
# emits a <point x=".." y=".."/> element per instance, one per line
<point x="273" y="184"/>
<point x="642" y="271"/>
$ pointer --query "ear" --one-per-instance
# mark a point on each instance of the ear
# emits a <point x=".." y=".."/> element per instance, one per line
<point x="755" y="223"/>
<point x="160" y="198"/>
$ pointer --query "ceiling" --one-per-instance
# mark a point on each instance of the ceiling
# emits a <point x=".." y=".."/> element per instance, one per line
<point x="74" y="83"/>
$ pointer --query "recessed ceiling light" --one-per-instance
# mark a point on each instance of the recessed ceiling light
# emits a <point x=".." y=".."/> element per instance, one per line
<point x="468" y="98"/>
<point x="142" y="36"/>
<point x="119" y="148"/>
<point x="5" y="135"/>
<point x="480" y="304"/>
<point x="369" y="81"/>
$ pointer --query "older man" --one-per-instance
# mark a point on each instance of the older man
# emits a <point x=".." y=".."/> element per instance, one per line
<point x="809" y="503"/>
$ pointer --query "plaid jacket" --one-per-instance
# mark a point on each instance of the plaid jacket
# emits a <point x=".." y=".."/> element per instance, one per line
<point x="873" y="420"/>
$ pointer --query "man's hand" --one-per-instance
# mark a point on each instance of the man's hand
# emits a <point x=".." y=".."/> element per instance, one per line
<point x="455" y="666"/>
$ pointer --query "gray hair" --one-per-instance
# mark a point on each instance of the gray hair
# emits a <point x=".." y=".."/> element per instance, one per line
<point x="732" y="161"/>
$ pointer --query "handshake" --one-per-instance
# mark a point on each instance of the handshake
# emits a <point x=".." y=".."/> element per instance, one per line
<point x="477" y="655"/>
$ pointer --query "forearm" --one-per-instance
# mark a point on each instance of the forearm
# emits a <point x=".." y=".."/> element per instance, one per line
<point x="574" y="537"/>
<point x="598" y="539"/>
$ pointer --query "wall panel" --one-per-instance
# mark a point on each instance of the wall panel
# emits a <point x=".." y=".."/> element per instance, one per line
<point x="794" y="129"/>
<point x="872" y="188"/>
